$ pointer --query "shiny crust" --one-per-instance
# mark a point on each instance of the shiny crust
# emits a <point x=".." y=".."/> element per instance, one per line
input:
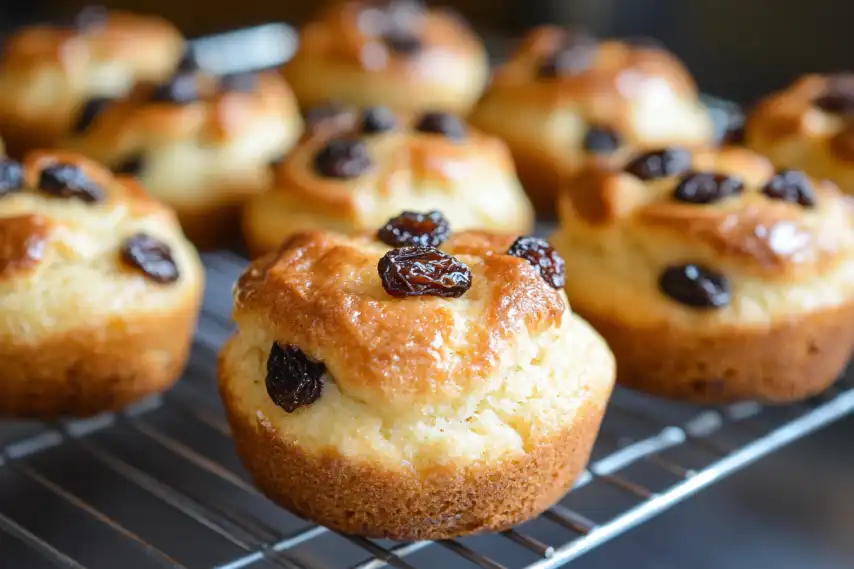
<point x="627" y="88"/>
<point x="337" y="62"/>
<point x="49" y="72"/>
<point x="794" y="133"/>
<point x="473" y="182"/>
<point x="439" y="504"/>
<point x="380" y="348"/>
<point x="22" y="242"/>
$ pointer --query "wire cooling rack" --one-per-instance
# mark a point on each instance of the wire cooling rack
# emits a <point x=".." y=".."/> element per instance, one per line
<point x="159" y="485"/>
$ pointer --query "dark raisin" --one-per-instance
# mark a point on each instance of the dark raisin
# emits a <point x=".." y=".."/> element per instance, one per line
<point x="695" y="286"/>
<point x="442" y="123"/>
<point x="838" y="95"/>
<point x="377" y="119"/>
<point x="89" y="113"/>
<point x="91" y="18"/>
<point x="423" y="271"/>
<point x="705" y="187"/>
<point x="791" y="186"/>
<point x="601" y="140"/>
<point x="181" y="89"/>
<point x="293" y="380"/>
<point x="660" y="164"/>
<point x="413" y="228"/>
<point x="343" y="158"/>
<point x="574" y="55"/>
<point x="130" y="166"/>
<point x="151" y="256"/>
<point x="239" y="82"/>
<point x="64" y="180"/>
<point x="403" y="42"/>
<point x="545" y="259"/>
<point x="11" y="176"/>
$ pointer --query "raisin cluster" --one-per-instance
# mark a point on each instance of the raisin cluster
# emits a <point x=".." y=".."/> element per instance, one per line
<point x="696" y="286"/>
<point x="151" y="256"/>
<point x="293" y="380"/>
<point x="707" y="187"/>
<point x="791" y="186"/>
<point x="660" y="164"/>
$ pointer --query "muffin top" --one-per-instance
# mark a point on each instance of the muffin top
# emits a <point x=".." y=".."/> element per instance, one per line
<point x="78" y="243"/>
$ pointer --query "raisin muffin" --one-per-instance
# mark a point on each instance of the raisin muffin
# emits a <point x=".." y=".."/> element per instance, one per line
<point x="810" y="126"/>
<point x="384" y="387"/>
<point x="49" y="74"/>
<point x="713" y="276"/>
<point x="394" y="52"/>
<point x="565" y="99"/>
<point x="355" y="169"/>
<point x="99" y="290"/>
<point x="201" y="144"/>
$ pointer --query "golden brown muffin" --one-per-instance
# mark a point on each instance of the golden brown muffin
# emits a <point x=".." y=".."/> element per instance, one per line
<point x="392" y="52"/>
<point x="99" y="290"/>
<point x="712" y="276"/>
<point x="564" y="99"/>
<point x="809" y="126"/>
<point x="49" y="74"/>
<point x="354" y="170"/>
<point x="200" y="144"/>
<point x="361" y="401"/>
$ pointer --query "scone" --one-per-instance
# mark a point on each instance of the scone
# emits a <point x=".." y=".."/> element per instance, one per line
<point x="809" y="126"/>
<point x="383" y="387"/>
<point x="99" y="290"/>
<point x="393" y="52"/>
<point x="51" y="75"/>
<point x="564" y="100"/>
<point x="353" y="170"/>
<point x="713" y="276"/>
<point x="200" y="144"/>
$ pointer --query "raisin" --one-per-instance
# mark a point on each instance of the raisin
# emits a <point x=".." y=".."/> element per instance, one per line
<point x="413" y="228"/>
<point x="442" y="123"/>
<point x="65" y="180"/>
<point x="239" y="82"/>
<point x="545" y="259"/>
<point x="11" y="176"/>
<point x="343" y="158"/>
<point x="838" y="95"/>
<point x="377" y="119"/>
<point x="403" y="42"/>
<point x="791" y="186"/>
<point x="704" y="188"/>
<point x="293" y="380"/>
<point x="601" y="140"/>
<point x="130" y="166"/>
<point x="573" y="56"/>
<point x="660" y="164"/>
<point x="695" y="286"/>
<point x="181" y="89"/>
<point x="423" y="271"/>
<point x="89" y="113"/>
<point x="151" y="256"/>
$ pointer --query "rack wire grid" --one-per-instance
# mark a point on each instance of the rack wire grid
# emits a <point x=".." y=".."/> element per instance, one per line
<point x="159" y="484"/>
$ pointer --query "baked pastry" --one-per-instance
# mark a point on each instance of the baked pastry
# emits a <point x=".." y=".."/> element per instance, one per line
<point x="393" y="52"/>
<point x="564" y="99"/>
<point x="405" y="392"/>
<point x="49" y="74"/>
<point x="713" y="276"/>
<point x="200" y="144"/>
<point x="99" y="291"/>
<point x="810" y="126"/>
<point x="353" y="170"/>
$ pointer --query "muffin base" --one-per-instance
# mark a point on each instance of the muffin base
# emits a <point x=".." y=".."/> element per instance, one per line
<point x="540" y="178"/>
<point x="364" y="498"/>
<point x="788" y="361"/>
<point x="94" y="369"/>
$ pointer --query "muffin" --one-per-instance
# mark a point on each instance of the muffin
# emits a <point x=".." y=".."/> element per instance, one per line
<point x="201" y="144"/>
<point x="99" y="290"/>
<point x="713" y="276"/>
<point x="809" y="126"/>
<point x="383" y="387"/>
<point x="564" y="100"/>
<point x="395" y="53"/>
<point x="50" y="74"/>
<point x="355" y="169"/>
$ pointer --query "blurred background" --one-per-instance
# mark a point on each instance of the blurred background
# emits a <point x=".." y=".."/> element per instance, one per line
<point x="738" y="49"/>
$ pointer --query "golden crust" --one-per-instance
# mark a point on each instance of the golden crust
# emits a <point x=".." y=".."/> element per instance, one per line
<point x="48" y="73"/>
<point x="789" y="128"/>
<point x="22" y="241"/>
<point x="472" y="181"/>
<point x="382" y="348"/>
<point x="644" y="94"/>
<point x="337" y="61"/>
<point x="362" y="498"/>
